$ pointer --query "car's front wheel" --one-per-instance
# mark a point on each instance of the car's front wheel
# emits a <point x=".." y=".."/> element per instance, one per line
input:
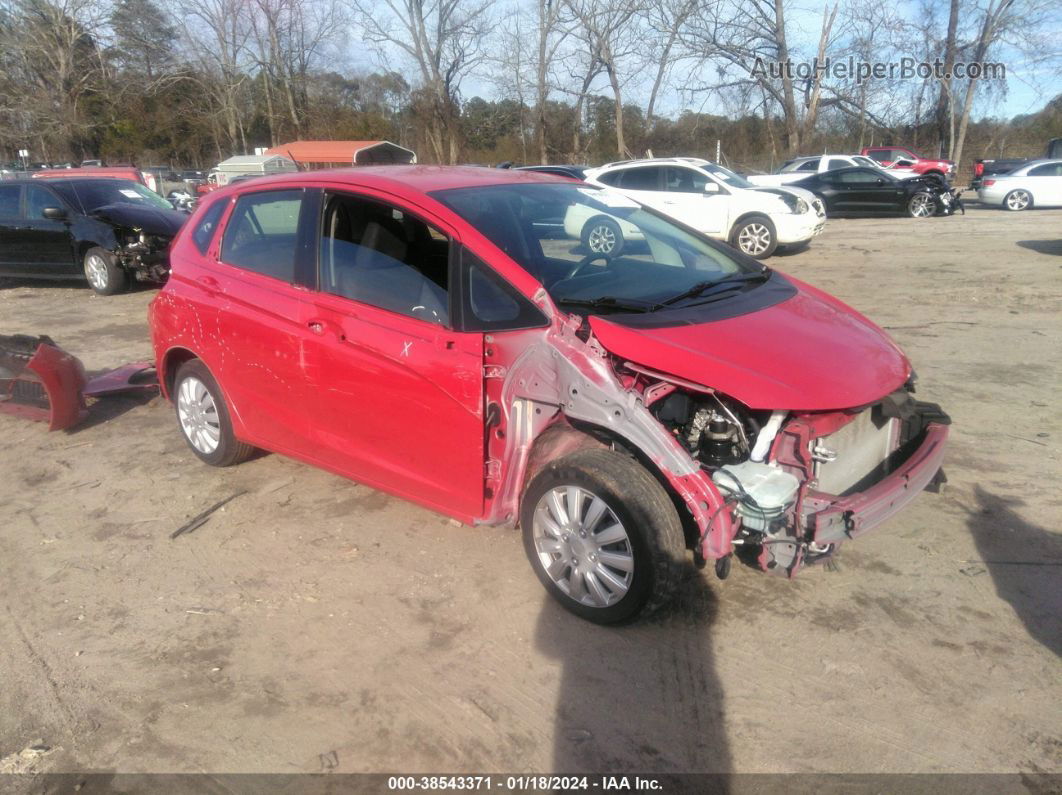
<point x="755" y="236"/>
<point x="603" y="236"/>
<point x="103" y="272"/>
<point x="204" y="418"/>
<point x="602" y="535"/>
<point x="1018" y="200"/>
<point x="922" y="205"/>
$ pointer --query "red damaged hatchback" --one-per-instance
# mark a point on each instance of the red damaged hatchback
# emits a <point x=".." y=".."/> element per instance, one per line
<point x="442" y="334"/>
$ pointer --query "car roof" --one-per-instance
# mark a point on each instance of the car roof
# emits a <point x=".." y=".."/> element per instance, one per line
<point x="655" y="161"/>
<point x="65" y="180"/>
<point x="406" y="178"/>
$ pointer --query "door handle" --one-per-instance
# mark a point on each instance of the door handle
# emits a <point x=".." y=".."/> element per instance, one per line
<point x="209" y="283"/>
<point x="320" y="327"/>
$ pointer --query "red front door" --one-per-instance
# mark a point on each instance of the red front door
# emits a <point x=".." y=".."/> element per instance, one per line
<point x="394" y="395"/>
<point x="397" y="402"/>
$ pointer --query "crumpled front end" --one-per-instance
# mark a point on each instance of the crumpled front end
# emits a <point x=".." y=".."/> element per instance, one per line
<point x="856" y="470"/>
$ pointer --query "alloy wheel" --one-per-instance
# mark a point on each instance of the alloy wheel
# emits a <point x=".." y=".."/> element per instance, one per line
<point x="96" y="272"/>
<point x="921" y="205"/>
<point x="754" y="239"/>
<point x="602" y="239"/>
<point x="583" y="546"/>
<point x="1017" y="200"/>
<point x="198" y="414"/>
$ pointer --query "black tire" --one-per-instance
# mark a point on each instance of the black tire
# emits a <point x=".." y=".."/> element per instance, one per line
<point x="654" y="540"/>
<point x="757" y="227"/>
<point x="602" y="235"/>
<point x="229" y="450"/>
<point x="105" y="276"/>
<point x="1013" y="200"/>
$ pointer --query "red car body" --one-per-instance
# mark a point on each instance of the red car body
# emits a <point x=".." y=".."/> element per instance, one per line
<point x="114" y="172"/>
<point x="460" y="421"/>
<point x="887" y="155"/>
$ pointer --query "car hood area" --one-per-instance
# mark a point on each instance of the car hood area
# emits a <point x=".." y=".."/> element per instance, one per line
<point x="807" y="353"/>
<point x="165" y="223"/>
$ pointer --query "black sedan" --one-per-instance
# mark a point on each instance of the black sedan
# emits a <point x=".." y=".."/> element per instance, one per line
<point x="870" y="191"/>
<point x="109" y="231"/>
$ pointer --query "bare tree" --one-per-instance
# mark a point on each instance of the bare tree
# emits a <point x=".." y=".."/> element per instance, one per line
<point x="216" y="34"/>
<point x="444" y="39"/>
<point x="52" y="65"/>
<point x="667" y="19"/>
<point x="608" y="34"/>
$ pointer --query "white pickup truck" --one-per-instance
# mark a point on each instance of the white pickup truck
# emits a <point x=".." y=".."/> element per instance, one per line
<point x="800" y="167"/>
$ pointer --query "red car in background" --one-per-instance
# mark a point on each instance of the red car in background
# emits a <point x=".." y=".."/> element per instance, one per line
<point x="417" y="329"/>
<point x="888" y="155"/>
<point x="112" y="172"/>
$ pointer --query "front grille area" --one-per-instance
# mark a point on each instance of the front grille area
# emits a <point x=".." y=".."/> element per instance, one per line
<point x="857" y="452"/>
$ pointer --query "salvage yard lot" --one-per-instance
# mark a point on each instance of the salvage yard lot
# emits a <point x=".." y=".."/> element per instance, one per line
<point x="315" y="624"/>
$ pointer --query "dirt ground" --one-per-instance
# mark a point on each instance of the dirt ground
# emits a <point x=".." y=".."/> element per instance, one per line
<point x="315" y="624"/>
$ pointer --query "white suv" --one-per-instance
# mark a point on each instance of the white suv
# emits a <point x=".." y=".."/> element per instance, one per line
<point x="709" y="198"/>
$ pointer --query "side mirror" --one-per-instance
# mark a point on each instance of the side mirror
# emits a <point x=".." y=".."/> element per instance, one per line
<point x="711" y="187"/>
<point x="54" y="213"/>
<point x="881" y="181"/>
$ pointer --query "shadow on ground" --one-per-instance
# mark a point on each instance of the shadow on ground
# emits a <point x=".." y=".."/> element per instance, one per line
<point x="643" y="698"/>
<point x="1043" y="246"/>
<point x="1025" y="562"/>
<point x="111" y="407"/>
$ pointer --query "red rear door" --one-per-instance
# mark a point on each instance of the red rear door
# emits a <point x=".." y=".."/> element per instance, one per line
<point x="258" y="328"/>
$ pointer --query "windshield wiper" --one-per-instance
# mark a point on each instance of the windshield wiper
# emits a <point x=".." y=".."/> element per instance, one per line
<point x="608" y="302"/>
<point x="731" y="282"/>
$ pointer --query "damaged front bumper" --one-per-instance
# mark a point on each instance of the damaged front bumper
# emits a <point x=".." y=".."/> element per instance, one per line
<point x="835" y="519"/>
<point x="869" y="489"/>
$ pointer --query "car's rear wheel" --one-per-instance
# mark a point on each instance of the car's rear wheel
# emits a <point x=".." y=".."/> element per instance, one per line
<point x="204" y="418"/>
<point x="103" y="272"/>
<point x="755" y="236"/>
<point x="602" y="535"/>
<point x="921" y="205"/>
<point x="603" y="236"/>
<point x="1018" y="200"/>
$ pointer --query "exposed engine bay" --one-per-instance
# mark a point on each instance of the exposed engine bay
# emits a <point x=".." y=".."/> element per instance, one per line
<point x="781" y="473"/>
<point x="143" y="255"/>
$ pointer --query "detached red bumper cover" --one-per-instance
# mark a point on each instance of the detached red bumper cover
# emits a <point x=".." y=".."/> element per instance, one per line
<point x="40" y="381"/>
<point x="848" y="517"/>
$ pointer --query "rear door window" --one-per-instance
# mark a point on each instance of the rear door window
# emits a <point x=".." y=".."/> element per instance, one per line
<point x="9" y="200"/>
<point x="1046" y="170"/>
<point x="262" y="233"/>
<point x="809" y="165"/>
<point x="204" y="230"/>
<point x="644" y="178"/>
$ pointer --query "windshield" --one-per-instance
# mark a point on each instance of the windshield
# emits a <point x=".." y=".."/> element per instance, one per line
<point x="100" y="192"/>
<point x="726" y="176"/>
<point x="597" y="248"/>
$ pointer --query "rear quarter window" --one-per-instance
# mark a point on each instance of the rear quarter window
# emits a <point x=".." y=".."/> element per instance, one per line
<point x="207" y="225"/>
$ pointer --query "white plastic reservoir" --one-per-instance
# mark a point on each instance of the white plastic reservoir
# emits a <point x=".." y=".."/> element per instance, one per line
<point x="769" y="490"/>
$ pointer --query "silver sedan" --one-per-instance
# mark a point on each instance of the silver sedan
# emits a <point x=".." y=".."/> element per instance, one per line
<point x="1035" y="184"/>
